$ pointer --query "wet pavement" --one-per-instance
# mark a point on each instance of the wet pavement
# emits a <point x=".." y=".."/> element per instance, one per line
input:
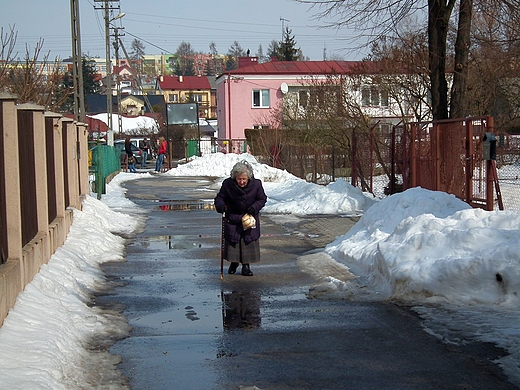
<point x="191" y="330"/>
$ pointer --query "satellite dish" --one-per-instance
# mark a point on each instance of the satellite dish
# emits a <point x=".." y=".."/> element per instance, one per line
<point x="284" y="88"/>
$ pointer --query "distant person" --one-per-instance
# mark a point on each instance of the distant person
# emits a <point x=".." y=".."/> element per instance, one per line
<point x="130" y="155"/>
<point x="241" y="198"/>
<point x="161" y="153"/>
<point x="144" y="145"/>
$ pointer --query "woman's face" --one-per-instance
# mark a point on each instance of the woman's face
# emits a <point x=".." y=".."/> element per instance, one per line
<point x="242" y="179"/>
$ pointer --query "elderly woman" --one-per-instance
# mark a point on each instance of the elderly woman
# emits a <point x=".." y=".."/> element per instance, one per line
<point x="240" y="198"/>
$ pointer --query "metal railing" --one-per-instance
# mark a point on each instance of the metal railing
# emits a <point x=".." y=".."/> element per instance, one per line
<point x="104" y="161"/>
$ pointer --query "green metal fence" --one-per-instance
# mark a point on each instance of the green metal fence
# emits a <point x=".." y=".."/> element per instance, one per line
<point x="104" y="160"/>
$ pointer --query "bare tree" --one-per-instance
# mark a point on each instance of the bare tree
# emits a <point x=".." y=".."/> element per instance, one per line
<point x="377" y="19"/>
<point x="32" y="80"/>
<point x="403" y="74"/>
<point x="7" y="43"/>
<point x="494" y="77"/>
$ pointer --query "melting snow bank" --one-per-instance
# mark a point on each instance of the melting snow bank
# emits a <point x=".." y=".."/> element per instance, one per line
<point x="48" y="337"/>
<point x="286" y="194"/>
<point x="429" y="246"/>
<point x="459" y="267"/>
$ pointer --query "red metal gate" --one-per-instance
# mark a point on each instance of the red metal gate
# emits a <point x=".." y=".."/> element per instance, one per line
<point x="446" y="156"/>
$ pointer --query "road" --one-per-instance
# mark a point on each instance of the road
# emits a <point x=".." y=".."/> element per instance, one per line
<point x="190" y="330"/>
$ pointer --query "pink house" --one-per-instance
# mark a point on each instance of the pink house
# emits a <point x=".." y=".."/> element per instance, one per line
<point x="248" y="96"/>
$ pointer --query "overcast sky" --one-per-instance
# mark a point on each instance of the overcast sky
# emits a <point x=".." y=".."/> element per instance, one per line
<point x="163" y="24"/>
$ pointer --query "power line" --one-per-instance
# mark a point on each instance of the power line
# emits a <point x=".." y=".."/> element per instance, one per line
<point x="148" y="42"/>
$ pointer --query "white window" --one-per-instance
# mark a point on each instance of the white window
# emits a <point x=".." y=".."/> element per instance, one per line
<point x="197" y="97"/>
<point x="384" y="98"/>
<point x="373" y="96"/>
<point x="261" y="98"/>
<point x="303" y="97"/>
<point x="173" y="98"/>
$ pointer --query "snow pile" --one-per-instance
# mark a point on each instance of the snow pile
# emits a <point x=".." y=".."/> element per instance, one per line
<point x="423" y="245"/>
<point x="130" y="124"/>
<point x="46" y="337"/>
<point x="285" y="192"/>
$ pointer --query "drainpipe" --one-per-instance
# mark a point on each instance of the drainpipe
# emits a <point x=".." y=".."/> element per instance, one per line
<point x="229" y="105"/>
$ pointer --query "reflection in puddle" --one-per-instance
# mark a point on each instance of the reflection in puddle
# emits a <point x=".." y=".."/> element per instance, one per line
<point x="178" y="241"/>
<point x="184" y="205"/>
<point x="241" y="309"/>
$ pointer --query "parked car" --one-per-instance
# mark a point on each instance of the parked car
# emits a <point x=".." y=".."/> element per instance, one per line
<point x="120" y="144"/>
<point x="137" y="141"/>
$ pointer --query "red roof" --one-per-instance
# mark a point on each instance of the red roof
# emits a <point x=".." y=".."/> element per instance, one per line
<point x="307" y="68"/>
<point x="94" y="125"/>
<point x="184" y="82"/>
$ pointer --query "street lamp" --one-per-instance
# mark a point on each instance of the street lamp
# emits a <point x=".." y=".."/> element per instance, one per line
<point x="110" y="130"/>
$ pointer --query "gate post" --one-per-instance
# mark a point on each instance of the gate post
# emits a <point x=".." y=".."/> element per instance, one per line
<point x="489" y="171"/>
<point x="468" y="190"/>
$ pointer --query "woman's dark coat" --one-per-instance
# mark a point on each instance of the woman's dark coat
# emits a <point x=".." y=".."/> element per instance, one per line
<point x="128" y="149"/>
<point x="237" y="201"/>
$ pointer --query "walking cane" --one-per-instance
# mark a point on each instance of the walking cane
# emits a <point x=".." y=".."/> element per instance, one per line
<point x="222" y="247"/>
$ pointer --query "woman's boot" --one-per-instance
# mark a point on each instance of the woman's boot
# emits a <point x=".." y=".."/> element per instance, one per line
<point x="232" y="268"/>
<point x="246" y="271"/>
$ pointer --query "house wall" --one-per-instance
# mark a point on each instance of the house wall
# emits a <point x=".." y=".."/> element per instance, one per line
<point x="235" y="109"/>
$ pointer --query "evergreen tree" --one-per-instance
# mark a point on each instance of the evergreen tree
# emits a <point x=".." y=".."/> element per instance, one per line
<point x="272" y="50"/>
<point x="136" y="54"/>
<point x="189" y="69"/>
<point x="235" y="51"/>
<point x="185" y="55"/>
<point x="210" y="68"/>
<point x="260" y="54"/>
<point x="178" y="68"/>
<point x="90" y="86"/>
<point x="287" y="50"/>
<point x="213" y="49"/>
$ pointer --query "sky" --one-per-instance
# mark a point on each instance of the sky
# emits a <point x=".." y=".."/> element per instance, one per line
<point x="457" y="267"/>
<point x="162" y="25"/>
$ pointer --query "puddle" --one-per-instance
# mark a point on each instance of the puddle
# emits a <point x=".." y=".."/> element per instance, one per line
<point x="184" y="205"/>
<point x="175" y="242"/>
<point x="240" y="310"/>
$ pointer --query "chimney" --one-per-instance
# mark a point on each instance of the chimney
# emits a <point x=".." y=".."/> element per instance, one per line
<point x="247" y="61"/>
<point x="181" y="79"/>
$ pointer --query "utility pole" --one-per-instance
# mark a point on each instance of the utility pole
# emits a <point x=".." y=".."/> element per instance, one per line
<point x="140" y="87"/>
<point x="282" y="42"/>
<point x="118" y="83"/>
<point x="107" y="8"/>
<point x="283" y="26"/>
<point x="77" y="63"/>
<point x="110" y="131"/>
<point x="324" y="52"/>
